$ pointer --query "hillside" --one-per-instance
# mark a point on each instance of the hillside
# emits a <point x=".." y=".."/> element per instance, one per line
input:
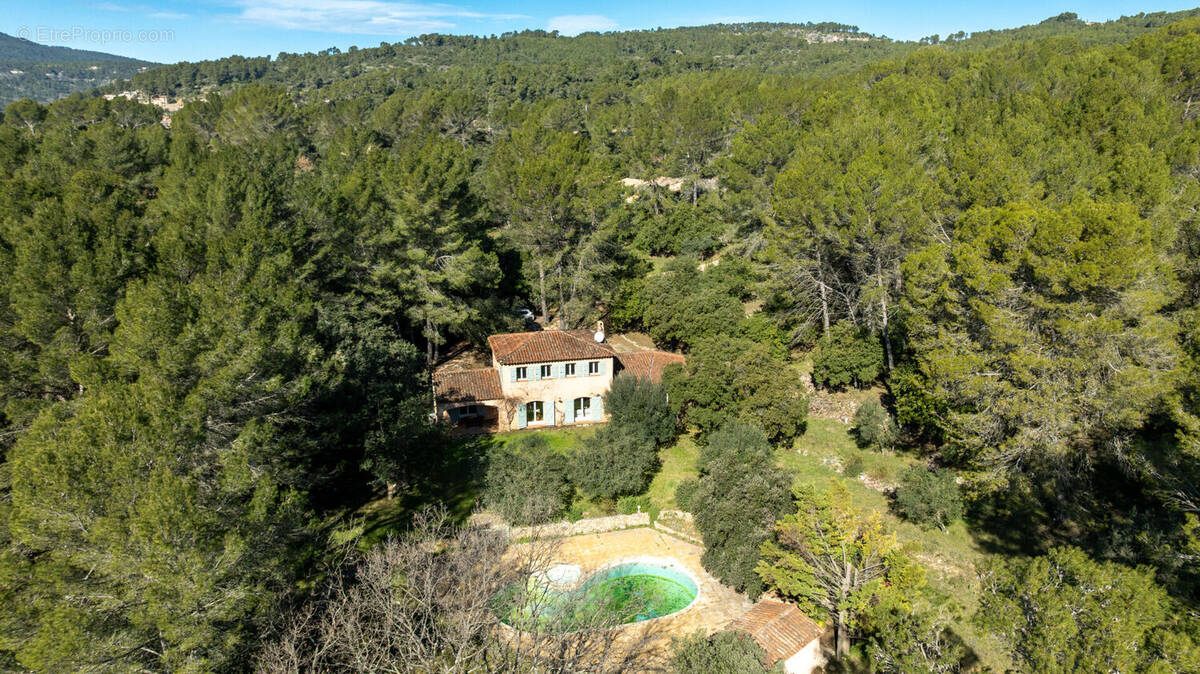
<point x="537" y="64"/>
<point x="45" y="73"/>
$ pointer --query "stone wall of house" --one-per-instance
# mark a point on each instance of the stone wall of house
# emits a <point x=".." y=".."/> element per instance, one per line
<point x="594" y="525"/>
<point x="561" y="391"/>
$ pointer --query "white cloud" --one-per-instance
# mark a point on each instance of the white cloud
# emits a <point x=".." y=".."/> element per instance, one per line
<point x="574" y="24"/>
<point x="141" y="9"/>
<point x="728" y="19"/>
<point x="374" y="17"/>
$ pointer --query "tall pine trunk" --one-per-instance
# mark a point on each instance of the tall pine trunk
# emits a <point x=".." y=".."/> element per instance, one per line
<point x="824" y="293"/>
<point x="883" y="308"/>
<point x="562" y="300"/>
<point x="542" y="290"/>
<point x="842" y="637"/>
<point x="429" y="356"/>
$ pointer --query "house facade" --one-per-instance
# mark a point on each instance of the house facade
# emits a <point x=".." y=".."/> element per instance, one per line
<point x="540" y="379"/>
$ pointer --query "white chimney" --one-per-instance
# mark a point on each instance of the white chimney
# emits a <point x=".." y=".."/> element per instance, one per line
<point x="599" y="331"/>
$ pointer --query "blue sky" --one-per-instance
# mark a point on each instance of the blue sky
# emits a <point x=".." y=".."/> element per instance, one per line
<point x="175" y="30"/>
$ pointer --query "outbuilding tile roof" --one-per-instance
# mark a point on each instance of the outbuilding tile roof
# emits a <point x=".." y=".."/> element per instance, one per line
<point x="460" y="386"/>
<point x="519" y="348"/>
<point x="781" y="629"/>
<point x="648" y="364"/>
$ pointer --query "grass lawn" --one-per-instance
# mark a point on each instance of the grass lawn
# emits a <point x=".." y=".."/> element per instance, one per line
<point x="560" y="439"/>
<point x="678" y="464"/>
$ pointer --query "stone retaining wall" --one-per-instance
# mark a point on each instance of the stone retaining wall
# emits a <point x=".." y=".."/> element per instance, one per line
<point x="679" y="524"/>
<point x="593" y="525"/>
<point x="678" y="514"/>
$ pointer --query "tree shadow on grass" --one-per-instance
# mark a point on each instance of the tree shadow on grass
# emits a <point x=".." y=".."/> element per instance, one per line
<point x="452" y="476"/>
<point x="1010" y="522"/>
<point x="1088" y="507"/>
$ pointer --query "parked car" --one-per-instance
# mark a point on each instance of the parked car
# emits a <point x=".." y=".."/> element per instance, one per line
<point x="526" y="314"/>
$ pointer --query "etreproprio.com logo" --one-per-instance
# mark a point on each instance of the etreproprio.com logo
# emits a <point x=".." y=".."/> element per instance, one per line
<point x="80" y="34"/>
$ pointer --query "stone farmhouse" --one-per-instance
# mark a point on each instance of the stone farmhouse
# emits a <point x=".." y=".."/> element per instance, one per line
<point x="540" y="379"/>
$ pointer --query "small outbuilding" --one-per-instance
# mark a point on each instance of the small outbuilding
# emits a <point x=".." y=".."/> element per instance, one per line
<point x="784" y="633"/>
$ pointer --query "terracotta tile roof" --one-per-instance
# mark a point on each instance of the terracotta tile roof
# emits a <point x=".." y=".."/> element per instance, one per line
<point x="457" y="386"/>
<point x="518" y="348"/>
<point x="778" y="627"/>
<point x="648" y="364"/>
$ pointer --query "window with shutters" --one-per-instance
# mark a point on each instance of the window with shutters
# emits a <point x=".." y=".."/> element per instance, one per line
<point x="569" y="369"/>
<point x="593" y="367"/>
<point x="522" y="373"/>
<point x="546" y="372"/>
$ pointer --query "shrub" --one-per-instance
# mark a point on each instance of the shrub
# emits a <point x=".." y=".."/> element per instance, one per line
<point x="727" y="379"/>
<point x="847" y="356"/>
<point x="628" y="306"/>
<point x="873" y="426"/>
<point x="917" y="409"/>
<point x="758" y="328"/>
<point x="575" y="512"/>
<point x="882" y="473"/>
<point x="640" y="406"/>
<point x="628" y="505"/>
<point x="688" y="306"/>
<point x="616" y="461"/>
<point x="527" y="481"/>
<point x="853" y="467"/>
<point x="741" y="495"/>
<point x="685" y="493"/>
<point x="929" y="498"/>
<point x="722" y="653"/>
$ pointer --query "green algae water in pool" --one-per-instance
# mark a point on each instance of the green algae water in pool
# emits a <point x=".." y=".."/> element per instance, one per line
<point x="625" y="593"/>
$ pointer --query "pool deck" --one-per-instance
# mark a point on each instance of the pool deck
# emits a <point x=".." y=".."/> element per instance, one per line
<point x="715" y="608"/>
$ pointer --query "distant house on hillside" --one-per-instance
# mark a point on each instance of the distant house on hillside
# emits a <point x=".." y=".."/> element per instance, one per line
<point x="546" y="378"/>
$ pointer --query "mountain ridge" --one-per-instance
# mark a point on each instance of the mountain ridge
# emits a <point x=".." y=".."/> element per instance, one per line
<point x="14" y="49"/>
<point x="46" y="73"/>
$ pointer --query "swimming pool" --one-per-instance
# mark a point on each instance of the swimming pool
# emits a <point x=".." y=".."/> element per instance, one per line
<point x="627" y="592"/>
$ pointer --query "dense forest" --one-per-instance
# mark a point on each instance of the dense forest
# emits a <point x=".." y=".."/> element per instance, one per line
<point x="42" y="73"/>
<point x="217" y="337"/>
<point x="534" y="64"/>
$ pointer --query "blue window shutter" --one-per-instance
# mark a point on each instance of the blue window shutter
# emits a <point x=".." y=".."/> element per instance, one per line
<point x="568" y="411"/>
<point x="522" y="422"/>
<point x="512" y="371"/>
<point x="550" y="412"/>
<point x="561" y="370"/>
<point x="536" y="374"/>
<point x="601" y="371"/>
<point x="597" y="407"/>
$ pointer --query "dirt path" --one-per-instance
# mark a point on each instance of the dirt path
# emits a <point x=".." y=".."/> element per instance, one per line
<point x="626" y="342"/>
